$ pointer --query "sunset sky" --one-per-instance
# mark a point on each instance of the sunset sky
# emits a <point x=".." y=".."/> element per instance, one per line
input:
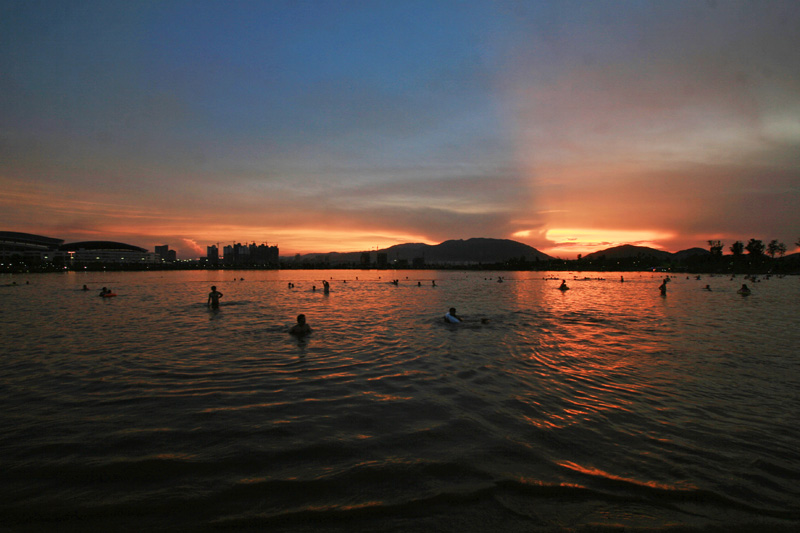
<point x="344" y="125"/>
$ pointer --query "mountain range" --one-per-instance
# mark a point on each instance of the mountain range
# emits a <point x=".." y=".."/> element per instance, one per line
<point x="470" y="251"/>
<point x="489" y="251"/>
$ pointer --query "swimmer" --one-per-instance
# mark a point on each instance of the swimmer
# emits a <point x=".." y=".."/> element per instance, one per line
<point x="663" y="287"/>
<point x="213" y="298"/>
<point x="104" y="291"/>
<point x="451" y="317"/>
<point x="745" y="290"/>
<point x="707" y="288"/>
<point x="85" y="288"/>
<point x="301" y="328"/>
<point x="326" y="288"/>
<point x="563" y="286"/>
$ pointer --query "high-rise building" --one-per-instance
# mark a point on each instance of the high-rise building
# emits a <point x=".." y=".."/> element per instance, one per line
<point x="163" y="252"/>
<point x="212" y="253"/>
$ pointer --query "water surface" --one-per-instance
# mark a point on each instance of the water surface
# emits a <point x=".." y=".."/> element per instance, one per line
<point x="605" y="405"/>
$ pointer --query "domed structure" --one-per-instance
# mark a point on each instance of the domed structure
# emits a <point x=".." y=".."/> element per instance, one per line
<point x="107" y="252"/>
<point x="100" y="245"/>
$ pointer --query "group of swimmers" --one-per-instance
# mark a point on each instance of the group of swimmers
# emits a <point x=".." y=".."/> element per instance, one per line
<point x="301" y="328"/>
<point x="744" y="290"/>
<point x="451" y="317"/>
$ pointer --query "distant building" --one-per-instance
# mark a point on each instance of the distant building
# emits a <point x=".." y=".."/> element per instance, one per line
<point x="252" y="255"/>
<point x="383" y="259"/>
<point x="165" y="254"/>
<point x="29" y="248"/>
<point x="107" y="252"/>
<point x="212" y="254"/>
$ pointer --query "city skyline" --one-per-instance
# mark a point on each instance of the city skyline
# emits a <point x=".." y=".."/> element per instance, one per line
<point x="338" y="126"/>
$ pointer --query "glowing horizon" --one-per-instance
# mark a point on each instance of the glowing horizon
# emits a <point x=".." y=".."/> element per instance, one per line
<point x="573" y="241"/>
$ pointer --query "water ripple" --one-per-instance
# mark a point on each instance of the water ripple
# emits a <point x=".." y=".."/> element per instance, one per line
<point x="605" y="406"/>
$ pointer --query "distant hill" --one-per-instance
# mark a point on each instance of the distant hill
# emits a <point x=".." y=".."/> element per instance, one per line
<point x="683" y="255"/>
<point x="470" y="251"/>
<point x="629" y="251"/>
<point x="477" y="250"/>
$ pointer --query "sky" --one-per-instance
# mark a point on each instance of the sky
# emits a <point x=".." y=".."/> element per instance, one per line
<point x="324" y="126"/>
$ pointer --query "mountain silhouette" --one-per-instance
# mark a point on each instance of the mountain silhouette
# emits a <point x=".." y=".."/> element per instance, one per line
<point x="452" y="252"/>
<point x="475" y="250"/>
<point x="629" y="251"/>
<point x="487" y="251"/>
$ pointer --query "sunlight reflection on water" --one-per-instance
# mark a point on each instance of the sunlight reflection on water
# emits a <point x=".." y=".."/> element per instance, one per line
<point x="609" y="395"/>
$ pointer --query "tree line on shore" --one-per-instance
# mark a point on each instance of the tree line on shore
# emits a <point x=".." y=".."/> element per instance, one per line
<point x="754" y="247"/>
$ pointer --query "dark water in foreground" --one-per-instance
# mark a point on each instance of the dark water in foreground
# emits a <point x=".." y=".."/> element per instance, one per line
<point x="607" y="405"/>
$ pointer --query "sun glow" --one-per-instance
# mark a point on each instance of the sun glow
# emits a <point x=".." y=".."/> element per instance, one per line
<point x="573" y="241"/>
<point x="313" y="240"/>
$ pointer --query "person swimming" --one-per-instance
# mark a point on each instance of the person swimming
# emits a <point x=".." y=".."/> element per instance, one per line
<point x="301" y="328"/>
<point x="451" y="317"/>
<point x="745" y="290"/>
<point x="663" y="287"/>
<point x="563" y="286"/>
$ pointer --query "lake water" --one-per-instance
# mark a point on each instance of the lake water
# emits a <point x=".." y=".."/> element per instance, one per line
<point x="607" y="405"/>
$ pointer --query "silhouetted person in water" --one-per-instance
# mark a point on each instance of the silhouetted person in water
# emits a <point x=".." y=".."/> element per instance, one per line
<point x="301" y="328"/>
<point x="213" y="298"/>
<point x="105" y="291"/>
<point x="451" y="317"/>
<point x="663" y="288"/>
<point x="563" y="286"/>
<point x="326" y="288"/>
<point x="745" y="290"/>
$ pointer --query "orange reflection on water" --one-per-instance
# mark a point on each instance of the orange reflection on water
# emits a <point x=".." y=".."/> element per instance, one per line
<point x="385" y="397"/>
<point x="404" y="374"/>
<point x="363" y="505"/>
<point x="540" y="483"/>
<point x="547" y="423"/>
<point x="591" y="471"/>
